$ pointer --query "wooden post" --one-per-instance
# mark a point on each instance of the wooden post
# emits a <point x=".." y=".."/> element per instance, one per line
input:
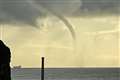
<point x="42" y="69"/>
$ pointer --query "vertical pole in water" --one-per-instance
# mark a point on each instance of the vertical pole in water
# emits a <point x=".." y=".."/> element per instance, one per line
<point x="42" y="69"/>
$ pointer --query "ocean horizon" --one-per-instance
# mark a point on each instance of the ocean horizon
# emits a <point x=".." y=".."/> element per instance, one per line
<point x="66" y="73"/>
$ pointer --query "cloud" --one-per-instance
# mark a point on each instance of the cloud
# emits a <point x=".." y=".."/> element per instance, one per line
<point x="27" y="11"/>
<point x="61" y="6"/>
<point x="18" y="11"/>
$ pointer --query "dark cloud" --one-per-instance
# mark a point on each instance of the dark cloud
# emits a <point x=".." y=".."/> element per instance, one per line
<point x="18" y="11"/>
<point x="101" y="5"/>
<point x="26" y="11"/>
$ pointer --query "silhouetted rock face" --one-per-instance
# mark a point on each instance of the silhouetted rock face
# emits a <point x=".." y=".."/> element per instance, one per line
<point x="5" y="55"/>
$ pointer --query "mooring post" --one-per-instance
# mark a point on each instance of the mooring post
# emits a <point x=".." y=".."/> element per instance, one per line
<point x="42" y="69"/>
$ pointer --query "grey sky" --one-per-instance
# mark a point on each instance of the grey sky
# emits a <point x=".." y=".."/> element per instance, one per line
<point x="53" y="38"/>
<point x="26" y="11"/>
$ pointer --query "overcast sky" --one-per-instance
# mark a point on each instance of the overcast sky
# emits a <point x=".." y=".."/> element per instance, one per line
<point x="53" y="39"/>
<point x="26" y="11"/>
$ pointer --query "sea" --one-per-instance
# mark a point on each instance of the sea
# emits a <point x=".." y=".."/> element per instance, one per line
<point x="66" y="74"/>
